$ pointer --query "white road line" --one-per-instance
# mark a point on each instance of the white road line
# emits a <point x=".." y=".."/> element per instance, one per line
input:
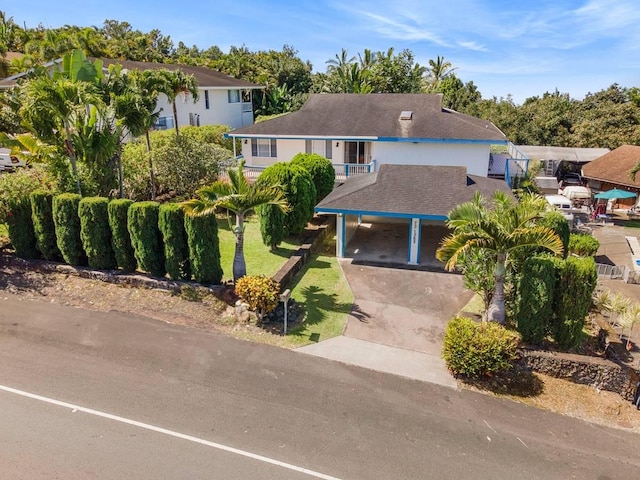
<point x="171" y="433"/>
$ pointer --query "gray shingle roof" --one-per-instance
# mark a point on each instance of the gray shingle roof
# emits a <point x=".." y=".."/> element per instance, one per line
<point x="423" y="190"/>
<point x="344" y="116"/>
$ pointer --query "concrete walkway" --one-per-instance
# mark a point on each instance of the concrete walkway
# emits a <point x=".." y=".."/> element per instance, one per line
<point x="397" y="322"/>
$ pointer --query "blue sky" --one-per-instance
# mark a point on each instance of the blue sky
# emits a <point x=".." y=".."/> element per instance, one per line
<point x="522" y="48"/>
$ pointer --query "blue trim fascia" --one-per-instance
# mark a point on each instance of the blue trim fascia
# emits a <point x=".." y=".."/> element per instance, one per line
<point x="442" y="140"/>
<point x="302" y="137"/>
<point x="381" y="214"/>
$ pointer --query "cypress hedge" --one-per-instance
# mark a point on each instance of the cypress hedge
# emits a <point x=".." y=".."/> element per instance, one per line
<point x="176" y="246"/>
<point x="534" y="305"/>
<point x="321" y="170"/>
<point x="146" y="238"/>
<point x="556" y="222"/>
<point x="271" y="225"/>
<point x="120" y="238"/>
<point x="204" y="248"/>
<point x="95" y="232"/>
<point x="299" y="190"/>
<point x="43" y="227"/>
<point x="67" y="223"/>
<point x="20" y="226"/>
<point x="576" y="280"/>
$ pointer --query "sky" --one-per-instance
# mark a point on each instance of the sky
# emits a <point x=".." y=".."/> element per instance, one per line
<point x="520" y="48"/>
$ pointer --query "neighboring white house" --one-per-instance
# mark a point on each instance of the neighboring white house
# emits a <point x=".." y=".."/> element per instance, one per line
<point x="360" y="131"/>
<point x="223" y="100"/>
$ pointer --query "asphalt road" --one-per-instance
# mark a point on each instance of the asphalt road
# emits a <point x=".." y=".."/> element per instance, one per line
<point x="148" y="400"/>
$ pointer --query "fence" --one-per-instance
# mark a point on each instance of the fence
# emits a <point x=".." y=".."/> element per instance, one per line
<point x="618" y="272"/>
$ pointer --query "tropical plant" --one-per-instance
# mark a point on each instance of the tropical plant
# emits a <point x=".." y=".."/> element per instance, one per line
<point x="503" y="229"/>
<point x="173" y="83"/>
<point x="321" y="170"/>
<point x="629" y="319"/>
<point x="238" y="197"/>
<point x="261" y="293"/>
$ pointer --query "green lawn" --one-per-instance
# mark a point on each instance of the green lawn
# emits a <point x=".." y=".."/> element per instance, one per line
<point x="260" y="261"/>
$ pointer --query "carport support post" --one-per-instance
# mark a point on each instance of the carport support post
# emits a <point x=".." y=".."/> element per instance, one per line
<point x="414" y="241"/>
<point x="340" y="235"/>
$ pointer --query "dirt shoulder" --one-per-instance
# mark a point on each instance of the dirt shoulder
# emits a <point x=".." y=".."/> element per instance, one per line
<point x="197" y="309"/>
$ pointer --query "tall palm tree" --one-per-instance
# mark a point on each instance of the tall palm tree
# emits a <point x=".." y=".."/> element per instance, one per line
<point x="439" y="69"/>
<point x="176" y="82"/>
<point x="239" y="197"/>
<point x="502" y="229"/>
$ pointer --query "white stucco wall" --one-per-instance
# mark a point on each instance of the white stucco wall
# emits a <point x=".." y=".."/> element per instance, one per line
<point x="220" y="111"/>
<point x="473" y="156"/>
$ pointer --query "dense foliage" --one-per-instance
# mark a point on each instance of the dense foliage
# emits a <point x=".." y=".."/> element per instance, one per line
<point x="534" y="304"/>
<point x="299" y="191"/>
<point x="477" y="349"/>
<point x="583" y="245"/>
<point x="321" y="170"/>
<point x="67" y="223"/>
<point x="555" y="221"/>
<point x="146" y="238"/>
<point x="204" y="248"/>
<point x="174" y="236"/>
<point x="120" y="239"/>
<point x="261" y="293"/>
<point x="43" y="227"/>
<point x="96" y="232"/>
<point x="20" y="226"/>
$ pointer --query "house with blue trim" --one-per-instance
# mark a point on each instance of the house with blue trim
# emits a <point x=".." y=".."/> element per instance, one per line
<point x="404" y="162"/>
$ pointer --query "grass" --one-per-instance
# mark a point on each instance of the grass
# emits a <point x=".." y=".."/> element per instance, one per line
<point x="260" y="261"/>
<point x="3" y="230"/>
<point x="322" y="291"/>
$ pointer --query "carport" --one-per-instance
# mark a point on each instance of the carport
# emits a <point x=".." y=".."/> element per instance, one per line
<point x="398" y="214"/>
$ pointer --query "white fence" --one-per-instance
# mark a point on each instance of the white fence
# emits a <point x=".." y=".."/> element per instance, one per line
<point x="619" y="272"/>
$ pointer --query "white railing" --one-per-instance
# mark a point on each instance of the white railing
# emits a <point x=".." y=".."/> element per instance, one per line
<point x="611" y="271"/>
<point x="346" y="170"/>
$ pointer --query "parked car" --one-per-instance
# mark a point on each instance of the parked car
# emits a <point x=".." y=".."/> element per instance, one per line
<point x="9" y="163"/>
<point x="571" y="179"/>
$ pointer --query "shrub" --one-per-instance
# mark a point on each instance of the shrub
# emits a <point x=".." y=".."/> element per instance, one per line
<point x="67" y="224"/>
<point x="534" y="304"/>
<point x="96" y="233"/>
<point x="20" y="226"/>
<point x="261" y="293"/>
<point x="146" y="239"/>
<point x="204" y="248"/>
<point x="583" y="245"/>
<point x="321" y="170"/>
<point x="576" y="280"/>
<point x="556" y="222"/>
<point x="299" y="191"/>
<point x="17" y="187"/>
<point x="45" y="231"/>
<point x="176" y="247"/>
<point x="475" y="350"/>
<point x="271" y="225"/>
<point x="120" y="239"/>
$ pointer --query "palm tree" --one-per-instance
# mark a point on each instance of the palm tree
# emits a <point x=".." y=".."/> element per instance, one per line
<point x="503" y="229"/>
<point x="341" y="62"/>
<point x="439" y="69"/>
<point x="239" y="197"/>
<point x="174" y="83"/>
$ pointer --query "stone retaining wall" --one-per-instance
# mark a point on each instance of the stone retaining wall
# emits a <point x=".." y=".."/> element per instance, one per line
<point x="597" y="372"/>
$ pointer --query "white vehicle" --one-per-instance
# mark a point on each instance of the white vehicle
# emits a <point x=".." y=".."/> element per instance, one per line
<point x="563" y="205"/>
<point x="577" y="195"/>
<point x="7" y="162"/>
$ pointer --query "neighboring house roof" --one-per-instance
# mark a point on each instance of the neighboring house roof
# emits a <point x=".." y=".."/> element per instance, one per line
<point x="418" y="191"/>
<point x="580" y="155"/>
<point x="547" y="183"/>
<point x="205" y="76"/>
<point x="614" y="167"/>
<point x="376" y="116"/>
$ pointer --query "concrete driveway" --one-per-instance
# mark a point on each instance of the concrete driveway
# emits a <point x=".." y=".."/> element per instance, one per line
<point x="403" y="308"/>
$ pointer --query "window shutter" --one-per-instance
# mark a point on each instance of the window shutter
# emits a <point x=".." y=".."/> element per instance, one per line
<point x="328" y="153"/>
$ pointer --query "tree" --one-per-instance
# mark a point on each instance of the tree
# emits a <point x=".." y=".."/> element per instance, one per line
<point x="239" y="197"/>
<point x="439" y="69"/>
<point x="503" y="229"/>
<point x="173" y="83"/>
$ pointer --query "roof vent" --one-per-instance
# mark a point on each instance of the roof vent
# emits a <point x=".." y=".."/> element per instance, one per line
<point x="406" y="115"/>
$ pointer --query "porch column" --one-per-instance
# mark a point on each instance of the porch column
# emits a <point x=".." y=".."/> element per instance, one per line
<point x="340" y="235"/>
<point x="415" y="233"/>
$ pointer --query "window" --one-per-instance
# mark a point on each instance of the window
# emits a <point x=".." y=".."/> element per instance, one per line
<point x="234" y="96"/>
<point x="164" y="123"/>
<point x="264" y="147"/>
<point x="206" y="99"/>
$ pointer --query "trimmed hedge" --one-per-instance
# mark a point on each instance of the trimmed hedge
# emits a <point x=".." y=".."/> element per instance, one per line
<point x="176" y="246"/>
<point x="120" y="239"/>
<point x="20" y="226"/>
<point x="43" y="227"/>
<point x="204" y="248"/>
<point x="534" y="305"/>
<point x="67" y="224"/>
<point x="321" y="170"/>
<point x="478" y="349"/>
<point x="299" y="190"/>
<point x="271" y="225"/>
<point x="584" y="245"/>
<point x="95" y="232"/>
<point x="576" y="280"/>
<point x="146" y="238"/>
